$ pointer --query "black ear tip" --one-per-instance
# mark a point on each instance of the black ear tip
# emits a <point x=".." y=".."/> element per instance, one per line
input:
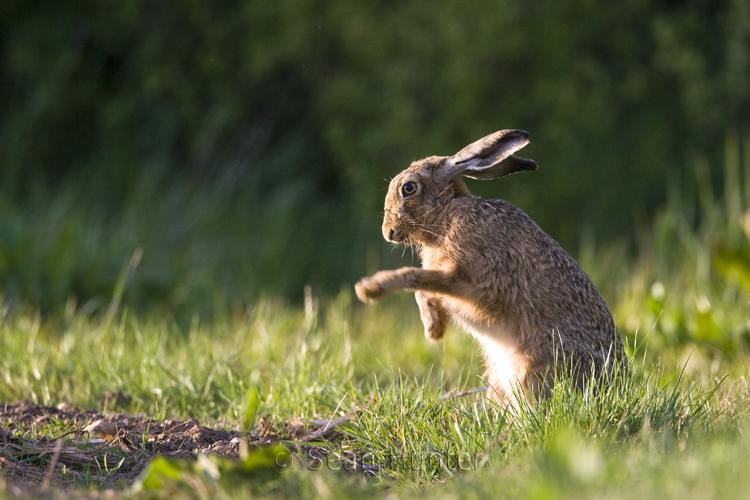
<point x="525" y="163"/>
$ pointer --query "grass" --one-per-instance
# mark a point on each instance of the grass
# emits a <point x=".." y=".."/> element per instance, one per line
<point x="416" y="443"/>
<point x="676" y="429"/>
<point x="301" y="365"/>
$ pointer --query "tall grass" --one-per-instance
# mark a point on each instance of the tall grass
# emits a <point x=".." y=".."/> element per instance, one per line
<point x="685" y="295"/>
<point x="206" y="243"/>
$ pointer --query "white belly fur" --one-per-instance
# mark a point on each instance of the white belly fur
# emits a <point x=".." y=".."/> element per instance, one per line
<point x="504" y="368"/>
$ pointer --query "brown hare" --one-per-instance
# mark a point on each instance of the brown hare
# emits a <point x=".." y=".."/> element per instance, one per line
<point x="489" y="266"/>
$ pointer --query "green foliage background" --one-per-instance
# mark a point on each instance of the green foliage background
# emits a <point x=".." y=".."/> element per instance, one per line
<point x="245" y="145"/>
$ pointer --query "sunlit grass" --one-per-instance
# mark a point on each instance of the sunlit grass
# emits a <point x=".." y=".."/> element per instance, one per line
<point x="296" y="361"/>
<point x="340" y="357"/>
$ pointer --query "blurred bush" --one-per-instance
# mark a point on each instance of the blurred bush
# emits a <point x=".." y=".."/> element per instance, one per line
<point x="246" y="145"/>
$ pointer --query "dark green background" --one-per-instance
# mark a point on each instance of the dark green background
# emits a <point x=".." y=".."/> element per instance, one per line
<point x="246" y="146"/>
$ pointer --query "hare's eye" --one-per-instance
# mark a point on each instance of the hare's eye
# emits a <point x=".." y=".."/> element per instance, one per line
<point x="409" y="188"/>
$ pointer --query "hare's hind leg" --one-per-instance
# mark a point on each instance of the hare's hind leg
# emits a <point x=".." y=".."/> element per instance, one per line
<point x="538" y="383"/>
<point x="433" y="314"/>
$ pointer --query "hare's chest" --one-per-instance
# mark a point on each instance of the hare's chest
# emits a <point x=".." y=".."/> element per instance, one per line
<point x="436" y="260"/>
<point x="499" y="341"/>
<point x="471" y="319"/>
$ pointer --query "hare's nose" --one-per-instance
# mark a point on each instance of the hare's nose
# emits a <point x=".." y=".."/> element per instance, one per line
<point x="395" y="237"/>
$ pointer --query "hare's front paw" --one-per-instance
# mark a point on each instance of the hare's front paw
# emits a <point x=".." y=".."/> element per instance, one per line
<point x="434" y="331"/>
<point x="368" y="290"/>
<point x="433" y="315"/>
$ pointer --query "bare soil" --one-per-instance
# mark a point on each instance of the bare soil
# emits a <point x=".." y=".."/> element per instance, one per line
<point x="111" y="450"/>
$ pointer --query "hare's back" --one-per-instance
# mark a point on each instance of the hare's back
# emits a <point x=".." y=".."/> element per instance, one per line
<point x="520" y="271"/>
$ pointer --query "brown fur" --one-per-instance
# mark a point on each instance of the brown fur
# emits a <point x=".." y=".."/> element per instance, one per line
<point x="490" y="267"/>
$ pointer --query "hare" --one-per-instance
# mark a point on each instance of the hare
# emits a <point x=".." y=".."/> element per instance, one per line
<point x="487" y="264"/>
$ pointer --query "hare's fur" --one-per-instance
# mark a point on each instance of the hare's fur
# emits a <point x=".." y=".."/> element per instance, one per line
<point x="489" y="266"/>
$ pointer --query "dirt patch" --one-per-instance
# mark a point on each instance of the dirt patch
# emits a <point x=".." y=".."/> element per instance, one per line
<point x="112" y="450"/>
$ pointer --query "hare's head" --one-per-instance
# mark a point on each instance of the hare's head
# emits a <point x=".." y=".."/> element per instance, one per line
<point x="416" y="197"/>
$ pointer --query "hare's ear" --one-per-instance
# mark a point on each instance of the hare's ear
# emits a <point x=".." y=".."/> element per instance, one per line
<point x="491" y="156"/>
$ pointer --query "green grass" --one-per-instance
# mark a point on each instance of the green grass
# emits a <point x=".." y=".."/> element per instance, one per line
<point x="300" y="364"/>
<point x="345" y="356"/>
